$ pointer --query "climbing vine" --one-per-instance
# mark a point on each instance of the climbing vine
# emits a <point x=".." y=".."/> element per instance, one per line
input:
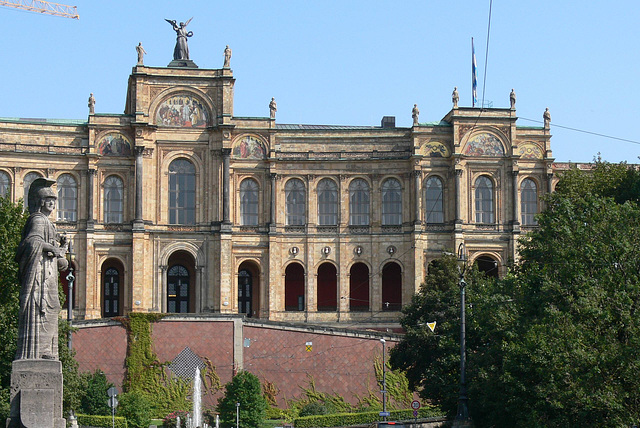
<point x="147" y="375"/>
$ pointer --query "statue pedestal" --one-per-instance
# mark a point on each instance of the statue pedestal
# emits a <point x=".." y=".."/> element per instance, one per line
<point x="36" y="394"/>
<point x="182" y="63"/>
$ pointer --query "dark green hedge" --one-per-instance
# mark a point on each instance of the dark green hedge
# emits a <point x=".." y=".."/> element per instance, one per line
<point x="345" y="419"/>
<point x="101" y="421"/>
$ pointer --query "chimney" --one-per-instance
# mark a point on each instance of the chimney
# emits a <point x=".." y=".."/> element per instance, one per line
<point x="388" y="122"/>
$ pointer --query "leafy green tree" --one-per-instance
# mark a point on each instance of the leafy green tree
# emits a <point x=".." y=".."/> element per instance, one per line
<point x="574" y="353"/>
<point x="136" y="407"/>
<point x="95" y="399"/>
<point x="431" y="360"/>
<point x="556" y="342"/>
<point x="12" y="220"/>
<point x="245" y="389"/>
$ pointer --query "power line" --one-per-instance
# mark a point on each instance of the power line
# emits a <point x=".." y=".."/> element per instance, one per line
<point x="584" y="132"/>
<point x="486" y="55"/>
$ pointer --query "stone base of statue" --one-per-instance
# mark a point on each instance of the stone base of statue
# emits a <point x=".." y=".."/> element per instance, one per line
<point x="182" y="63"/>
<point x="36" y="394"/>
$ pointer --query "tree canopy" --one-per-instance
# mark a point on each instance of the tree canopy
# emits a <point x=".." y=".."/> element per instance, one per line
<point x="556" y="342"/>
<point x="246" y="390"/>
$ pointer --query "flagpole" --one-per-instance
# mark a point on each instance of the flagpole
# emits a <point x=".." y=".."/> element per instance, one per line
<point x="474" y="77"/>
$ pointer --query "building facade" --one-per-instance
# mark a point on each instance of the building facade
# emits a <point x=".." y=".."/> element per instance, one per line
<point x="178" y="205"/>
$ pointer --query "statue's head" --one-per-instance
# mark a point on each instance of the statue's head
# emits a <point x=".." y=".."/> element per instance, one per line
<point x="39" y="191"/>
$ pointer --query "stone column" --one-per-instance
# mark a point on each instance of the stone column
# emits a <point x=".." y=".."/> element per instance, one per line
<point x="549" y="183"/>
<point x="91" y="179"/>
<point x="458" y="174"/>
<point x="272" y="215"/>
<point x="417" y="179"/>
<point x="514" y="220"/>
<point x="225" y="186"/>
<point x="138" y="222"/>
<point x="138" y="153"/>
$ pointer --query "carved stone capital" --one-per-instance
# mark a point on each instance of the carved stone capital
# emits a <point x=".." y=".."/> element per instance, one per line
<point x="138" y="150"/>
<point x="225" y="152"/>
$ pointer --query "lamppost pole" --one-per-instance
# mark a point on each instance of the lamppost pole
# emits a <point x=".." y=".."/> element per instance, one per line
<point x="237" y="415"/>
<point x="70" y="279"/>
<point x="462" y="416"/>
<point x="384" y="380"/>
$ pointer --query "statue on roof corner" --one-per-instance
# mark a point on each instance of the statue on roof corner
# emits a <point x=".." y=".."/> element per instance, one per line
<point x="273" y="108"/>
<point x="140" y="50"/>
<point x="512" y="99"/>
<point x="455" y="97"/>
<point x="181" y="50"/>
<point x="415" y="113"/>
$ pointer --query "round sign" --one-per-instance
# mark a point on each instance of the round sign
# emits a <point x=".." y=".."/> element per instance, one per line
<point x="415" y="404"/>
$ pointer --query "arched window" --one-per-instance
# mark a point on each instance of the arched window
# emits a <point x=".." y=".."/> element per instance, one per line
<point x="249" y="202"/>
<point x="5" y="183"/>
<point x="391" y="287"/>
<point x="113" y="199"/>
<point x="245" y="283"/>
<point x="484" y="201"/>
<point x="28" y="179"/>
<point x="294" y="287"/>
<point x="488" y="265"/>
<point x="327" y="202"/>
<point x="182" y="192"/>
<point x="296" y="203"/>
<point x="391" y="202"/>
<point x="359" y="203"/>
<point x="177" y="289"/>
<point x="67" y="198"/>
<point x="359" y="287"/>
<point x="111" y="293"/>
<point x="327" y="289"/>
<point x="434" y="201"/>
<point x="528" y="201"/>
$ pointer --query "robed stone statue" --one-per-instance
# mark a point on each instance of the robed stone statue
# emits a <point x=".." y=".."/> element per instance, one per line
<point x="36" y="376"/>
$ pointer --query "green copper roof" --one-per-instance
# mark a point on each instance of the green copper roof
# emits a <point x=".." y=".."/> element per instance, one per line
<point x="44" y="121"/>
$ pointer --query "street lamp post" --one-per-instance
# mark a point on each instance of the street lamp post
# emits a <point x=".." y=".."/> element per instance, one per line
<point x="70" y="279"/>
<point x="384" y="380"/>
<point x="462" y="417"/>
<point x="237" y="415"/>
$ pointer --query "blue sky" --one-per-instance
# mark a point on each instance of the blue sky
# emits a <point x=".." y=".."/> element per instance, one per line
<point x="349" y="62"/>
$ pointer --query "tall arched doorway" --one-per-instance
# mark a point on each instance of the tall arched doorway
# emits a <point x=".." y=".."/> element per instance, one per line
<point x="181" y="283"/>
<point x="327" y="287"/>
<point x="112" y="288"/>
<point x="488" y="265"/>
<point x="391" y="287"/>
<point x="294" y="287"/>
<point x="359" y="287"/>
<point x="249" y="289"/>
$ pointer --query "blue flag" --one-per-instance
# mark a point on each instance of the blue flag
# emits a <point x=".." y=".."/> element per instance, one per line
<point x="474" y="76"/>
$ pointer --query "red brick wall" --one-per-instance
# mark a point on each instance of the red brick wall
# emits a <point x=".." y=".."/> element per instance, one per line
<point x="338" y="363"/>
<point x="102" y="346"/>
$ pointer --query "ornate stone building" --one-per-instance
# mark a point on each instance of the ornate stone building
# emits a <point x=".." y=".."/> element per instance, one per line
<point x="180" y="205"/>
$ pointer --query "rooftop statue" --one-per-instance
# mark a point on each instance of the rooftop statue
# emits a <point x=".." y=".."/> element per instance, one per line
<point x="40" y="255"/>
<point x="181" y="50"/>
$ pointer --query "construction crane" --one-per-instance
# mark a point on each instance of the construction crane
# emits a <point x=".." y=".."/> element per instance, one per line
<point x="41" y="6"/>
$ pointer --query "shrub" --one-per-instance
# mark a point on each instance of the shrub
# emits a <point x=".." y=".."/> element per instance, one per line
<point x="136" y="408"/>
<point x="95" y="399"/>
<point x="314" y="408"/>
<point x="101" y="421"/>
<point x="245" y="389"/>
<point x="345" y="419"/>
<point x="171" y="420"/>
